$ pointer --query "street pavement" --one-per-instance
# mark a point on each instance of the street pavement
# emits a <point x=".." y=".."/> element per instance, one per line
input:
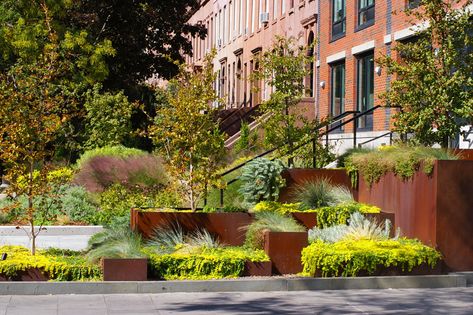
<point x="405" y="301"/>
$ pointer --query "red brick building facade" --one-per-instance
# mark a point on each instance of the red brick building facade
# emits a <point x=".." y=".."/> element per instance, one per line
<point x="351" y="35"/>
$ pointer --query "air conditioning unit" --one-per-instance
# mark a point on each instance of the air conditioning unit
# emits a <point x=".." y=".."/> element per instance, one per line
<point x="264" y="17"/>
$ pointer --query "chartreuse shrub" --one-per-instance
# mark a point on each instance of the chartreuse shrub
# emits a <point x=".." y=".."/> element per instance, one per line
<point x="196" y="255"/>
<point x="261" y="180"/>
<point x="326" y="216"/>
<point x="209" y="263"/>
<point x="58" y="265"/>
<point x="329" y="216"/>
<point x="349" y="258"/>
<point x="282" y="208"/>
<point x="403" y="161"/>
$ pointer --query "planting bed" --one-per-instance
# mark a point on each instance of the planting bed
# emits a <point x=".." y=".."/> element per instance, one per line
<point x="436" y="209"/>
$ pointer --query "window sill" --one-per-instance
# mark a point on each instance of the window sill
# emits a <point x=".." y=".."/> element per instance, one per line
<point x="363" y="26"/>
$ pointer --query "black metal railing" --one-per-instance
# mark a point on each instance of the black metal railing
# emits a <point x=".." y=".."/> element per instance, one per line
<point x="335" y="123"/>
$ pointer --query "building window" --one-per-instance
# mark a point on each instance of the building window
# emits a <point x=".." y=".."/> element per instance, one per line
<point x="365" y="89"/>
<point x="337" y="101"/>
<point x="338" y="18"/>
<point x="291" y="4"/>
<point x="283" y="7"/>
<point x="365" y="12"/>
<point x="412" y="4"/>
<point x="310" y="78"/>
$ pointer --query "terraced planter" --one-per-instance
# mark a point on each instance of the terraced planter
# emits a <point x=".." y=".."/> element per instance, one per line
<point x="125" y="269"/>
<point x="31" y="274"/>
<point x="284" y="249"/>
<point x="257" y="269"/>
<point x="436" y="209"/>
<point x="228" y="227"/>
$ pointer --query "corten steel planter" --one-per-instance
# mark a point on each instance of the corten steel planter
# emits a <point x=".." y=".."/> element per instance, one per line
<point x="257" y="269"/>
<point x="298" y="176"/>
<point x="284" y="249"/>
<point x="31" y="274"/>
<point x="436" y="209"/>
<point x="124" y="269"/>
<point x="307" y="219"/>
<point x="228" y="227"/>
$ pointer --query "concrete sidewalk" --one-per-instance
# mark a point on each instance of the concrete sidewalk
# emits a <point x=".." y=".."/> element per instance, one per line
<point x="64" y="237"/>
<point x="451" y="301"/>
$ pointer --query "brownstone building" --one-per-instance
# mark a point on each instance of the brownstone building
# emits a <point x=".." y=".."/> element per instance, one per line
<point x="350" y="35"/>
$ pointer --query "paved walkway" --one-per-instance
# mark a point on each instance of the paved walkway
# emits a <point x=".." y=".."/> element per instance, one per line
<point x="407" y="301"/>
<point x="65" y="237"/>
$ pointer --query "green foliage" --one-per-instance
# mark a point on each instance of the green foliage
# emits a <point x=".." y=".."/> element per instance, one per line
<point x="321" y="193"/>
<point x="77" y="204"/>
<point x="351" y="257"/>
<point x="166" y="240"/>
<point x="210" y="263"/>
<point x="335" y="215"/>
<point x="247" y="141"/>
<point x="117" y="201"/>
<point x="342" y="158"/>
<point x="261" y="180"/>
<point x="64" y="266"/>
<point x="108" y="118"/>
<point x="115" y="243"/>
<point x="283" y="68"/>
<point x="282" y="208"/>
<point x="358" y="228"/>
<point x="186" y="133"/>
<point x="118" y="151"/>
<point x="403" y="161"/>
<point x="271" y="221"/>
<point x="435" y="82"/>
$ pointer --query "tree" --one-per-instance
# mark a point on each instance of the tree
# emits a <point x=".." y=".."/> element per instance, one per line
<point x="26" y="27"/>
<point x="108" y="118"/>
<point x="186" y="133"/>
<point x="434" y="76"/>
<point x="283" y="68"/>
<point x="39" y="96"/>
<point x="148" y="35"/>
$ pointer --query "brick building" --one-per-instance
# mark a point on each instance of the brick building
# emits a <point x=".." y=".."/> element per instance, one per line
<point x="350" y="35"/>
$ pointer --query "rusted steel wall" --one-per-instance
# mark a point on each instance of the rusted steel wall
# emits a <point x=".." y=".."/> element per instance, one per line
<point x="465" y="154"/>
<point x="413" y="202"/>
<point x="120" y="269"/>
<point x="285" y="250"/>
<point x="229" y="227"/>
<point x="436" y="209"/>
<point x="299" y="176"/>
<point x="455" y="213"/>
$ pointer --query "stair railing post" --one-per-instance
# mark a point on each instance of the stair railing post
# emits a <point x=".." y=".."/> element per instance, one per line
<point x="314" y="152"/>
<point x="221" y="197"/>
<point x="355" y="127"/>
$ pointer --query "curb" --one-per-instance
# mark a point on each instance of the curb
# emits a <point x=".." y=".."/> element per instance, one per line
<point x="234" y="285"/>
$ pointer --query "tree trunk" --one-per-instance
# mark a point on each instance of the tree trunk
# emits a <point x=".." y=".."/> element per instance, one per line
<point x="31" y="209"/>
<point x="33" y="238"/>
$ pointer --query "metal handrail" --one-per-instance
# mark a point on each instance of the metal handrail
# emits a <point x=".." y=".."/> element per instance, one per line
<point x="390" y="134"/>
<point x="354" y="119"/>
<point x="332" y="121"/>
